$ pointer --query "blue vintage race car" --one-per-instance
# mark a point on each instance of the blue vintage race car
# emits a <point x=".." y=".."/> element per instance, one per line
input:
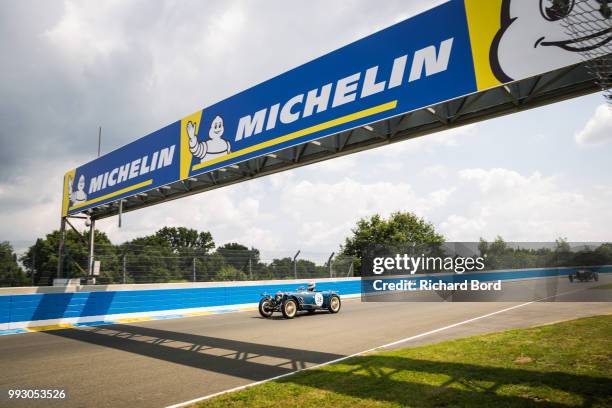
<point x="304" y="298"/>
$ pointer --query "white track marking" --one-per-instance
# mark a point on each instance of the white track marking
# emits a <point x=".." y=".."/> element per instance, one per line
<point x="242" y="387"/>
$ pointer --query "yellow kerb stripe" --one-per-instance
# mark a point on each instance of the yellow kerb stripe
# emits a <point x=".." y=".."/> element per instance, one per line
<point x="309" y="130"/>
<point x="113" y="194"/>
<point x="52" y="327"/>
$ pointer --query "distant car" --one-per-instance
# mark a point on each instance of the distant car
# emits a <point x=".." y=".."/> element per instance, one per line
<point x="308" y="299"/>
<point x="584" y="275"/>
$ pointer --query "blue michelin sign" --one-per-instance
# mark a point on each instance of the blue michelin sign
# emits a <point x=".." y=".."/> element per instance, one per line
<point x="454" y="49"/>
<point x="415" y="63"/>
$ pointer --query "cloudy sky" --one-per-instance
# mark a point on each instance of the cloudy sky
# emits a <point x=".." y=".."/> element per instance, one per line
<point x="134" y="66"/>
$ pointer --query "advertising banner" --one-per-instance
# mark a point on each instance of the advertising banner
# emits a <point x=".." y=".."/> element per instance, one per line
<point x="455" y="49"/>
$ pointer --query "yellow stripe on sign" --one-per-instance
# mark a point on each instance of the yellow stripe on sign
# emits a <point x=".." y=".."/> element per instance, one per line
<point x="113" y="194"/>
<point x="484" y="21"/>
<point x="307" y="131"/>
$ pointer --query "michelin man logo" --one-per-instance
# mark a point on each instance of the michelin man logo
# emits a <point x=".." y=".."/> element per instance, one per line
<point x="214" y="147"/>
<point x="533" y="40"/>
<point x="79" y="196"/>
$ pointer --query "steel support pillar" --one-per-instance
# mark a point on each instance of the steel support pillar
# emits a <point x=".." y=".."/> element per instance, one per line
<point x="90" y="263"/>
<point x="60" y="258"/>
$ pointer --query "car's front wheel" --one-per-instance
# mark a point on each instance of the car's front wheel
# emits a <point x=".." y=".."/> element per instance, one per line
<point x="571" y="278"/>
<point x="289" y="308"/>
<point x="334" y="304"/>
<point x="265" y="308"/>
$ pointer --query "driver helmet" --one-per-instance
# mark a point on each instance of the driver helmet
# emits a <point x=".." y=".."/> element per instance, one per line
<point x="312" y="287"/>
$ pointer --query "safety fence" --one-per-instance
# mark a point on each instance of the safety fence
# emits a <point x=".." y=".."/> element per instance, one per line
<point x="150" y="264"/>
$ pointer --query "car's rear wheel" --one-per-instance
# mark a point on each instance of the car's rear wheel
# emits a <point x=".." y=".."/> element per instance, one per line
<point x="571" y="278"/>
<point x="334" y="304"/>
<point x="265" y="308"/>
<point x="289" y="308"/>
<point x="595" y="276"/>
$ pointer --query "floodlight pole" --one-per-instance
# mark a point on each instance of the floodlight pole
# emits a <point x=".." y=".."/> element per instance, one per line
<point x="295" y="264"/>
<point x="92" y="226"/>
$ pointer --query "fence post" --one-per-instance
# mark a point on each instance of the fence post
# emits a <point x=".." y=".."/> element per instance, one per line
<point x="295" y="264"/>
<point x="194" y="269"/>
<point x="250" y="268"/>
<point x="329" y="264"/>
<point x="124" y="257"/>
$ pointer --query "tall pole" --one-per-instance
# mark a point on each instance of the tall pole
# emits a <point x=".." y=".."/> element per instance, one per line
<point x="295" y="264"/>
<point x="92" y="224"/>
<point x="329" y="264"/>
<point x="60" y="259"/>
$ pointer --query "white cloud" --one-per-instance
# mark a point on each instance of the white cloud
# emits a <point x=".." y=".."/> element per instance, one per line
<point x="524" y="208"/>
<point x="231" y="214"/>
<point x="598" y="129"/>
<point x="436" y="170"/>
<point x="324" y="212"/>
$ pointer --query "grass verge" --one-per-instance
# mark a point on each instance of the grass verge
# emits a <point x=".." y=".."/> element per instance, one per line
<point x="608" y="286"/>
<point x="558" y="365"/>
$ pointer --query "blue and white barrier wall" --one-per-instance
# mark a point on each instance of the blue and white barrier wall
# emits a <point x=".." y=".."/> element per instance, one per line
<point x="31" y="307"/>
<point x="44" y="306"/>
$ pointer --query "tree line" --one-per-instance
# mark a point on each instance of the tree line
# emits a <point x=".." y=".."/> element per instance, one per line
<point x="180" y="254"/>
<point x="171" y="254"/>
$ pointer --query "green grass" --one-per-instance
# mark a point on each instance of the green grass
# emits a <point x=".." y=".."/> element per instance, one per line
<point x="567" y="364"/>
<point x="608" y="286"/>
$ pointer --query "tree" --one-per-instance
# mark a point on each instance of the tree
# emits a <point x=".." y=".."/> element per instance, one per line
<point x="562" y="252"/>
<point x="401" y="228"/>
<point x="240" y="257"/>
<point x="150" y="259"/>
<point x="11" y="273"/>
<point x="182" y="239"/>
<point x="42" y="257"/>
<point x="229" y="273"/>
<point x="170" y="254"/>
<point x="281" y="268"/>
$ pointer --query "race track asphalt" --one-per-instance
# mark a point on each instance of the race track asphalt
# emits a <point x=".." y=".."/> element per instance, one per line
<point x="163" y="362"/>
